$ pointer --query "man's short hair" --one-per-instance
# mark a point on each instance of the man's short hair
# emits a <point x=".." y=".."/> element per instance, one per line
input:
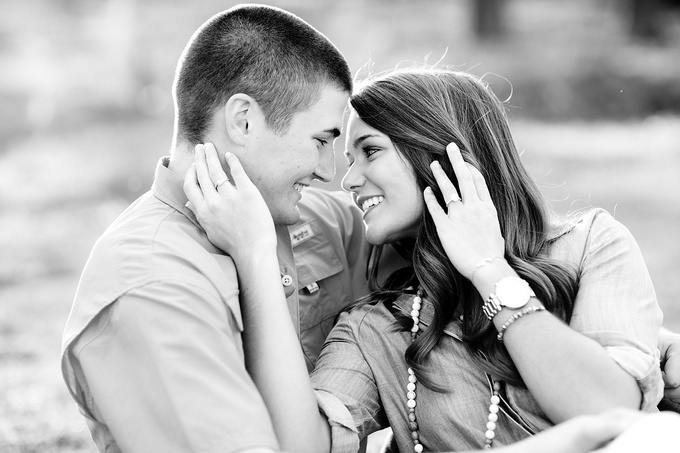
<point x="267" y="53"/>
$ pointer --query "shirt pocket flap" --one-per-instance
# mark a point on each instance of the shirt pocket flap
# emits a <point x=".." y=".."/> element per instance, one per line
<point x="316" y="260"/>
<point x="315" y="257"/>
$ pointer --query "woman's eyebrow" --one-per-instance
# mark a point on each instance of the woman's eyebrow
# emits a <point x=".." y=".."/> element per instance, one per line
<point x="358" y="141"/>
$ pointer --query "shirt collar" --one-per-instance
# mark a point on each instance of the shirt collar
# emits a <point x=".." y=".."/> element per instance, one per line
<point x="404" y="304"/>
<point x="168" y="187"/>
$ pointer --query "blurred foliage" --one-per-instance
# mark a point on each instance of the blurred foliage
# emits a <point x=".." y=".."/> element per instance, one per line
<point x="68" y="61"/>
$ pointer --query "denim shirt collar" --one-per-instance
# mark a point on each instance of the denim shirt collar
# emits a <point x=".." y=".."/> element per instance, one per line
<point x="404" y="303"/>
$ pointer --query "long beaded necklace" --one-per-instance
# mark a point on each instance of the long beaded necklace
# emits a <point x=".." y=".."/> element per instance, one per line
<point x="411" y="390"/>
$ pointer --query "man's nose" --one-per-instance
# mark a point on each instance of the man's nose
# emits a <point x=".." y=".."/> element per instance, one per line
<point x="325" y="171"/>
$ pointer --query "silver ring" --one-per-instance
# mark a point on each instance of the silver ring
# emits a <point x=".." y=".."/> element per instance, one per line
<point x="220" y="182"/>
<point x="454" y="198"/>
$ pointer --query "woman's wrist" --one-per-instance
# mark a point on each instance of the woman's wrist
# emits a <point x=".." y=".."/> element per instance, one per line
<point x="255" y="255"/>
<point x="486" y="276"/>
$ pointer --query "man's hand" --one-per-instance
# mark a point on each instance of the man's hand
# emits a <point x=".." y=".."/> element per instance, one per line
<point x="669" y="346"/>
<point x="578" y="435"/>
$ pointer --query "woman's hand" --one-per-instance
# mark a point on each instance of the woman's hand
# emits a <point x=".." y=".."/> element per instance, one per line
<point x="469" y="231"/>
<point x="232" y="212"/>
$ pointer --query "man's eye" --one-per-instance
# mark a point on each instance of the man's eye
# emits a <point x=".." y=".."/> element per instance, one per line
<point x="322" y="141"/>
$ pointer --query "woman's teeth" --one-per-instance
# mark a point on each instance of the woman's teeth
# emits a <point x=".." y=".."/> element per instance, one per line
<point x="371" y="202"/>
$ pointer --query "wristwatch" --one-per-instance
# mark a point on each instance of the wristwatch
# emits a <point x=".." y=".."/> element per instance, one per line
<point x="510" y="292"/>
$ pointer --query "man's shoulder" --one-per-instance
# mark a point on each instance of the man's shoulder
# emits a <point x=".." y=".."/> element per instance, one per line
<point x="149" y="231"/>
<point x="152" y="242"/>
<point x="146" y="245"/>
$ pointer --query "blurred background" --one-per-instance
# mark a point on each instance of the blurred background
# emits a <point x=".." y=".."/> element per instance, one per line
<point x="86" y="111"/>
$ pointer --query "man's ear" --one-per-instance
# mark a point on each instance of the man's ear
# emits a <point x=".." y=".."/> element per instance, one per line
<point x="239" y="112"/>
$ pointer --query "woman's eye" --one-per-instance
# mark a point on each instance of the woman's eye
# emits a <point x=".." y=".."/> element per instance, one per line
<point x="370" y="151"/>
<point x="322" y="142"/>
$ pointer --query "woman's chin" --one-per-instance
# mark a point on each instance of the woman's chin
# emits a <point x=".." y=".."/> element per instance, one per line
<point x="375" y="238"/>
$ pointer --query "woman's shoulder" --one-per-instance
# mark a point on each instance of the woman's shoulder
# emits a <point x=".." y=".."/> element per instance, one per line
<point x="587" y="230"/>
<point x="370" y="317"/>
<point x="591" y="221"/>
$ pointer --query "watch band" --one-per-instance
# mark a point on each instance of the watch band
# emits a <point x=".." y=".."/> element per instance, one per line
<point x="491" y="307"/>
<point x="510" y="292"/>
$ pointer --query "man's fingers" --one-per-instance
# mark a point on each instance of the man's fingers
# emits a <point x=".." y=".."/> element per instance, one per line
<point x="671" y="378"/>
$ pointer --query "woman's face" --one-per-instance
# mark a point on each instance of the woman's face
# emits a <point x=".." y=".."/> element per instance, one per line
<point x="382" y="183"/>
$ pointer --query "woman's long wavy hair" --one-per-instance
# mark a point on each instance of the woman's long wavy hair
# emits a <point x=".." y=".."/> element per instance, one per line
<point x="422" y="110"/>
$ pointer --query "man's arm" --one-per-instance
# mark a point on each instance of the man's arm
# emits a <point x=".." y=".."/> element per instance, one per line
<point x="165" y="369"/>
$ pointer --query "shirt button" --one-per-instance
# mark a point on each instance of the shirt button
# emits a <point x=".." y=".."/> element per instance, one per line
<point x="287" y="280"/>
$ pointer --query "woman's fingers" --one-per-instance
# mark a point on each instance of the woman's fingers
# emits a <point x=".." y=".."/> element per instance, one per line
<point x="447" y="188"/>
<point x="202" y="172"/>
<point x="438" y="215"/>
<point x="237" y="172"/>
<point x="480" y="184"/>
<point x="191" y="187"/>
<point x="217" y="174"/>
<point x="460" y="168"/>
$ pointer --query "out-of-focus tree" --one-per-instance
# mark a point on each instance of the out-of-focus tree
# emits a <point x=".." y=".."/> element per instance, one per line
<point x="489" y="18"/>
<point x="647" y="18"/>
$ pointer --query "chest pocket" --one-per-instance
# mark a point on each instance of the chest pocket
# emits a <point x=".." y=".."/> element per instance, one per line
<point x="324" y="285"/>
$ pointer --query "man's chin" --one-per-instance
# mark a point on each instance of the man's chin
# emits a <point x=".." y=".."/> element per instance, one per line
<point x="289" y="217"/>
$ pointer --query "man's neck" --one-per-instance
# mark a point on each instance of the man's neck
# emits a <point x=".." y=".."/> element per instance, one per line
<point x="181" y="158"/>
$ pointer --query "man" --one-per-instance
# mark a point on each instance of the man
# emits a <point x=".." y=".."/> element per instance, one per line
<point x="152" y="350"/>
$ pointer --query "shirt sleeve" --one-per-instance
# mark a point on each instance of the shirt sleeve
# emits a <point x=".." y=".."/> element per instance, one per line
<point x="616" y="304"/>
<point x="346" y="389"/>
<point x="165" y="369"/>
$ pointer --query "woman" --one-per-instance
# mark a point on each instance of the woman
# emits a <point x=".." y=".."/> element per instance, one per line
<point x="506" y="322"/>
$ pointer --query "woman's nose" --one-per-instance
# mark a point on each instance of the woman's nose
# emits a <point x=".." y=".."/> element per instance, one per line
<point x="352" y="179"/>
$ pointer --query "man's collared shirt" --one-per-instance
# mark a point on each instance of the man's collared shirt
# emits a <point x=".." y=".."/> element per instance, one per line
<point x="330" y="252"/>
<point x="152" y="350"/>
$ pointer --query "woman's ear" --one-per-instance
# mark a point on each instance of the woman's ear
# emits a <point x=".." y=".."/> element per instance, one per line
<point x="238" y="114"/>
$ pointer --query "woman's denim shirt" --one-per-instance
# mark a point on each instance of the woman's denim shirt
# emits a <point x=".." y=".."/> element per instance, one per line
<point x="360" y="378"/>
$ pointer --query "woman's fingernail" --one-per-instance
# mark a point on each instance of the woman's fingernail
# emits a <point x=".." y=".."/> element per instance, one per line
<point x="428" y="190"/>
<point x="435" y="163"/>
<point x="227" y="155"/>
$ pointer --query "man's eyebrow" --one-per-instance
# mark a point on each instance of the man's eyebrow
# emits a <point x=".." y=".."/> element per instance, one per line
<point x="334" y="132"/>
<point x="358" y="141"/>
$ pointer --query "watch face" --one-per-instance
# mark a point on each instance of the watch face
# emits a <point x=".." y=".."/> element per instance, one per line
<point x="513" y="292"/>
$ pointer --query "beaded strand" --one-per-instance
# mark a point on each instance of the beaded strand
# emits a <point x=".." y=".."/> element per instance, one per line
<point x="495" y="400"/>
<point x="411" y="386"/>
